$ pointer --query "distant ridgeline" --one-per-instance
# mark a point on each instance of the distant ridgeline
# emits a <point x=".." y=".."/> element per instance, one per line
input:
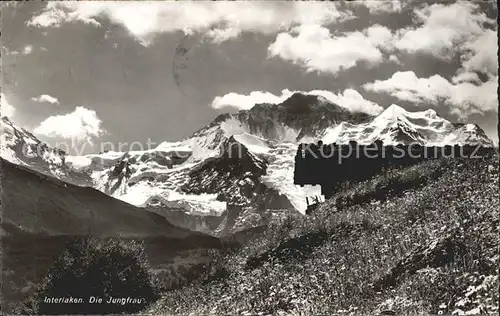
<point x="330" y="164"/>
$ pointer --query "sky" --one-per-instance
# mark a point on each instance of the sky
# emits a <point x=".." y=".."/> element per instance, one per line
<point x="96" y="72"/>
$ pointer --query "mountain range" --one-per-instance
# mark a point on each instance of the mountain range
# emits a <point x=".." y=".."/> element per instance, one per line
<point x="236" y="172"/>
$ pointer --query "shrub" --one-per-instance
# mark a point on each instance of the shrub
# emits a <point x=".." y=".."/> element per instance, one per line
<point x="90" y="267"/>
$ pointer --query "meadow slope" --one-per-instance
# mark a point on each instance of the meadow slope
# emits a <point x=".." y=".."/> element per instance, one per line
<point x="418" y="240"/>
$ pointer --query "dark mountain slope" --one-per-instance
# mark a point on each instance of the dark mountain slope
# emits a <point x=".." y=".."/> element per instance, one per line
<point x="309" y="114"/>
<point x="34" y="202"/>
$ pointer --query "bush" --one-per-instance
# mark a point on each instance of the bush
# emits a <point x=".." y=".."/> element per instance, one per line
<point x="94" y="268"/>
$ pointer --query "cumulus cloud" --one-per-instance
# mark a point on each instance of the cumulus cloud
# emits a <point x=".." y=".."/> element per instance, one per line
<point x="6" y="108"/>
<point x="481" y="54"/>
<point x="245" y="102"/>
<point x="466" y="77"/>
<point x="377" y="7"/>
<point x="349" y="99"/>
<point x="407" y="86"/>
<point x="45" y="98"/>
<point x="220" y="20"/>
<point x="56" y="14"/>
<point x="220" y="35"/>
<point x="467" y="98"/>
<point x="443" y="27"/>
<point x="81" y="125"/>
<point x="464" y="98"/>
<point x="314" y="47"/>
<point x="442" y="30"/>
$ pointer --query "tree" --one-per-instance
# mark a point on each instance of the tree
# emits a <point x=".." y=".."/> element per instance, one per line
<point x="100" y="269"/>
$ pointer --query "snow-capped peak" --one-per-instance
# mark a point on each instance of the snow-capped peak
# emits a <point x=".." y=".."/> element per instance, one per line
<point x="397" y="125"/>
<point x="393" y="110"/>
<point x="21" y="147"/>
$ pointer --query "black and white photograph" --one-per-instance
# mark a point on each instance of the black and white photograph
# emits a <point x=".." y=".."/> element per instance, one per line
<point x="249" y="158"/>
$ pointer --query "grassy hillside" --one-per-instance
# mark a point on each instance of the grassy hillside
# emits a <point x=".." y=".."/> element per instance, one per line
<point x="418" y="240"/>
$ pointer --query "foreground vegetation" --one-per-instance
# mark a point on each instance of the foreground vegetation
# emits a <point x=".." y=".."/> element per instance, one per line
<point x="94" y="276"/>
<point x="419" y="240"/>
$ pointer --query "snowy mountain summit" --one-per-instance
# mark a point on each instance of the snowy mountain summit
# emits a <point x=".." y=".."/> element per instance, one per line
<point x="263" y="139"/>
<point x="241" y="161"/>
<point x="395" y="125"/>
<point x="21" y="147"/>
